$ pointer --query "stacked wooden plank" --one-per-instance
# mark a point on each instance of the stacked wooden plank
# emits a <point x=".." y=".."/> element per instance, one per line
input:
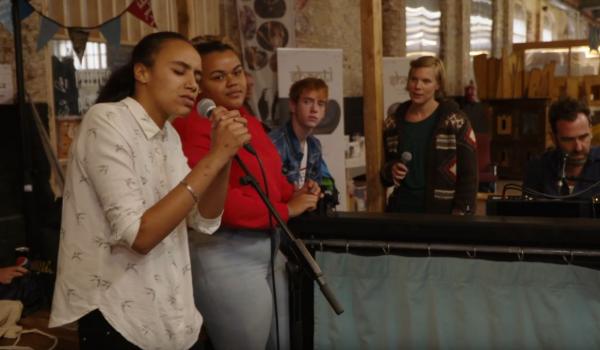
<point x="499" y="78"/>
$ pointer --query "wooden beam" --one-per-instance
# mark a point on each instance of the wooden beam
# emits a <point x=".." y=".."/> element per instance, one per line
<point x="183" y="18"/>
<point x="372" y="49"/>
<point x="550" y="44"/>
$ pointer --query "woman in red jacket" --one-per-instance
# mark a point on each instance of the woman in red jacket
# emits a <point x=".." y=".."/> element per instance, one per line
<point x="232" y="269"/>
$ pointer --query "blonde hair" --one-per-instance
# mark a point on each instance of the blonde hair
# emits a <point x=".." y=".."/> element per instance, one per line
<point x="438" y="71"/>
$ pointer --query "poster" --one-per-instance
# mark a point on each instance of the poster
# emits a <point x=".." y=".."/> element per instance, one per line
<point x="265" y="26"/>
<point x="89" y="82"/>
<point x="7" y="90"/>
<point x="66" y="96"/>
<point x="296" y="64"/>
<point x="395" y="76"/>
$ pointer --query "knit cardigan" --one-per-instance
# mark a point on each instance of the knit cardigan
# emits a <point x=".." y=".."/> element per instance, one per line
<point x="451" y="170"/>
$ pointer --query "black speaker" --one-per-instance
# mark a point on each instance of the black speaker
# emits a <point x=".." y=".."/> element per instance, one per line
<point x="518" y="206"/>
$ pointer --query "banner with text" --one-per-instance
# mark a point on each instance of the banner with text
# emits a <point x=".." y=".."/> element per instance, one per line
<point x="395" y="76"/>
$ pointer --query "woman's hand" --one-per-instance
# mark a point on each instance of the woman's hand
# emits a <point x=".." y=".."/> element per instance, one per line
<point x="7" y="274"/>
<point x="230" y="131"/>
<point x="305" y="198"/>
<point x="399" y="171"/>
<point x="302" y="202"/>
<point x="310" y="187"/>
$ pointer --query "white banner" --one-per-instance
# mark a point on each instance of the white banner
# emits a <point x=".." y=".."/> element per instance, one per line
<point x="296" y="64"/>
<point x="265" y="25"/>
<point x="395" y="76"/>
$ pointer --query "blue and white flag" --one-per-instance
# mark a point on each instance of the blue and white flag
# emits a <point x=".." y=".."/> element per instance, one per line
<point x="47" y="30"/>
<point x="25" y="9"/>
<point x="111" y="31"/>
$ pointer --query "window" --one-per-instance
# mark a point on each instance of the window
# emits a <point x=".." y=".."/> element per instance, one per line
<point x="547" y="31"/>
<point x="519" y="24"/>
<point x="481" y="27"/>
<point x="93" y="58"/>
<point x="422" y="27"/>
<point x="76" y="84"/>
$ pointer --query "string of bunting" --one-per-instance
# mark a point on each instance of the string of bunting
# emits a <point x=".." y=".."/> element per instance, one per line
<point x="110" y="29"/>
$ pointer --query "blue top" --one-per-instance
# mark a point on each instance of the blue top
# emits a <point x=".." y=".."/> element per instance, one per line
<point x="543" y="174"/>
<point x="288" y="145"/>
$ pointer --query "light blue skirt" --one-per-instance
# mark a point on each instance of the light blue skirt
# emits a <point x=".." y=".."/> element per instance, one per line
<point x="231" y="273"/>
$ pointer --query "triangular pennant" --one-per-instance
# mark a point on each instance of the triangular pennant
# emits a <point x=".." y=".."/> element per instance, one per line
<point x="79" y="38"/>
<point x="47" y="30"/>
<point x="25" y="9"/>
<point x="112" y="32"/>
<point x="142" y="9"/>
<point x="6" y="15"/>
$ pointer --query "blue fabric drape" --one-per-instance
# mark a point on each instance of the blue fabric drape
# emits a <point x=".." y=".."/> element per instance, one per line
<point x="394" y="302"/>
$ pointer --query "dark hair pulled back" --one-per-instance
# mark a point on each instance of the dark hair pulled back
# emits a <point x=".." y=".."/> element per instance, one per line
<point x="121" y="82"/>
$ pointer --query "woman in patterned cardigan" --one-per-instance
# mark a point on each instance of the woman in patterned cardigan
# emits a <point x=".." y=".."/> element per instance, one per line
<point x="430" y="148"/>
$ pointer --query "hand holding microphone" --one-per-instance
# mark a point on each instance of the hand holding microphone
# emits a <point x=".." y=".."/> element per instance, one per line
<point x="400" y="169"/>
<point x="230" y="131"/>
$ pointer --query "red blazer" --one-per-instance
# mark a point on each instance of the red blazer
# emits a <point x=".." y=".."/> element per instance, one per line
<point x="243" y="206"/>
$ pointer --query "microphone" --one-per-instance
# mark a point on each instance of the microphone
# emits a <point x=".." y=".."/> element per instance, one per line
<point x="563" y="184"/>
<point x="206" y="106"/>
<point x="563" y="171"/>
<point x="405" y="157"/>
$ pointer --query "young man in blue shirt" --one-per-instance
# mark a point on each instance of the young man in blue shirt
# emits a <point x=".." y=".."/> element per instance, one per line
<point x="300" y="151"/>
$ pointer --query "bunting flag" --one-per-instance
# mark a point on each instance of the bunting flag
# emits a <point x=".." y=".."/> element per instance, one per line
<point x="6" y="15"/>
<point x="142" y="9"/>
<point x="79" y="38"/>
<point x="25" y="9"/>
<point x="47" y="30"/>
<point x="111" y="31"/>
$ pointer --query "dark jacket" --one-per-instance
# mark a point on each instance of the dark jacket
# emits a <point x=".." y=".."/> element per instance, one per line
<point x="543" y="174"/>
<point x="451" y="162"/>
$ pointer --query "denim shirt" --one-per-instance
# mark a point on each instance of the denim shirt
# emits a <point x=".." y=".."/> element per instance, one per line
<point x="288" y="145"/>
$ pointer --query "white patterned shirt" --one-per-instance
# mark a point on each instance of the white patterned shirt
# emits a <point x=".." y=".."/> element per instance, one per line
<point x="121" y="164"/>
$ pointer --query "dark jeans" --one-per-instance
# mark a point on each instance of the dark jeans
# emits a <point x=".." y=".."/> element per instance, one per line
<point x="33" y="290"/>
<point x="95" y="333"/>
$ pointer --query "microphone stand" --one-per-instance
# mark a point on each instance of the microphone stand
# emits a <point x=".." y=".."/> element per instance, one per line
<point x="309" y="264"/>
<point x="564" y="184"/>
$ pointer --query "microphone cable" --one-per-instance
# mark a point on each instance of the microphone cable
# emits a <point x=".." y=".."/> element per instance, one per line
<point x="527" y="190"/>
<point x="274" y="247"/>
<point x="530" y="191"/>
